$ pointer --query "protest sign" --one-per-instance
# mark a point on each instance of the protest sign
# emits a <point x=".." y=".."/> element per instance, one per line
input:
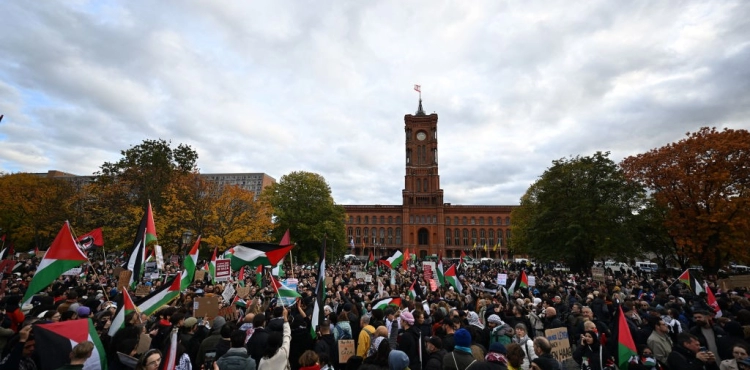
<point x="124" y="279"/>
<point x="360" y="275"/>
<point x="229" y="313"/>
<point x="558" y="340"/>
<point x="368" y="278"/>
<point x="223" y="269"/>
<point x="502" y="279"/>
<point x="243" y="291"/>
<point x="532" y="280"/>
<point x="159" y="257"/>
<point x="199" y="275"/>
<point x="228" y="293"/>
<point x="597" y="273"/>
<point x="142" y="291"/>
<point x="73" y="272"/>
<point x="346" y="350"/>
<point x="206" y="307"/>
<point x="150" y="267"/>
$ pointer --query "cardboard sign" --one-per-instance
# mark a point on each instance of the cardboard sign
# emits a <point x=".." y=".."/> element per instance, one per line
<point x="243" y="291"/>
<point x="150" y="267"/>
<point x="532" y="280"/>
<point x="223" y="269"/>
<point x="558" y="339"/>
<point x="117" y="270"/>
<point x="229" y="313"/>
<point x="40" y="254"/>
<point x="144" y="344"/>
<point x="346" y="350"/>
<point x="329" y="281"/>
<point x="368" y="278"/>
<point x="124" y="281"/>
<point x="199" y="275"/>
<point x="142" y="290"/>
<point x="206" y="307"/>
<point x="429" y="269"/>
<point x="502" y="279"/>
<point x="597" y="273"/>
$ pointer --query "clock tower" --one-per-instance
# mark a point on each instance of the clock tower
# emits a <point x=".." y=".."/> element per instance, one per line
<point x="422" y="181"/>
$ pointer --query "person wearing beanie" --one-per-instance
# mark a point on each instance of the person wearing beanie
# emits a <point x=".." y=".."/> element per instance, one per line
<point x="527" y="345"/>
<point x="410" y="341"/>
<point x="398" y="360"/>
<point x="460" y="358"/>
<point x="435" y="354"/>
<point x="83" y="312"/>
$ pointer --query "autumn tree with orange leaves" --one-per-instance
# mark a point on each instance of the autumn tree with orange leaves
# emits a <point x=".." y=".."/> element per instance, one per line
<point x="703" y="181"/>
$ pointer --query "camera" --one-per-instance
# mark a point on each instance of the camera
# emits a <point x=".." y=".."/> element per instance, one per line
<point x="208" y="363"/>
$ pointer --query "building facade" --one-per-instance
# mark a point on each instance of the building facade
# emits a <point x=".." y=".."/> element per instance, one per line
<point x="424" y="223"/>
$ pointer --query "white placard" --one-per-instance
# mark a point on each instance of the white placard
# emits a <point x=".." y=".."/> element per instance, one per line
<point x="360" y="275"/>
<point x="228" y="293"/>
<point x="368" y="278"/>
<point x="74" y="271"/>
<point x="159" y="257"/>
<point x="532" y="281"/>
<point x="502" y="279"/>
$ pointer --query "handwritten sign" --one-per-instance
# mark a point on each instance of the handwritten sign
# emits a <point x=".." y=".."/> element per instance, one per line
<point x="558" y="339"/>
<point x="532" y="280"/>
<point x="199" y="275"/>
<point x="142" y="291"/>
<point x="228" y="293"/>
<point x="124" y="281"/>
<point x="346" y="350"/>
<point x="159" y="257"/>
<point x="329" y="281"/>
<point x="502" y="279"/>
<point x="243" y="291"/>
<point x="360" y="275"/>
<point x="597" y="273"/>
<point x="223" y="269"/>
<point x="229" y="313"/>
<point x="368" y="278"/>
<point x="206" y="307"/>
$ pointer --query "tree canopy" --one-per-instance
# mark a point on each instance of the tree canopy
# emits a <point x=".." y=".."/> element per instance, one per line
<point x="302" y="203"/>
<point x="703" y="181"/>
<point x="580" y="210"/>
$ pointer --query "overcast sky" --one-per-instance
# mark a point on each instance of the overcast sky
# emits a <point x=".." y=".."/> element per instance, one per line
<point x="323" y="86"/>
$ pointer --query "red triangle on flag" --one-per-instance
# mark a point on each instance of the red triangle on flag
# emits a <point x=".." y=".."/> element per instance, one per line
<point x="64" y="247"/>
<point x="276" y="255"/>
<point x="175" y="285"/>
<point x="75" y="330"/>
<point x="286" y="240"/>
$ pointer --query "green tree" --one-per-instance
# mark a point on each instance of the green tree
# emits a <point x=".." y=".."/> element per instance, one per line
<point x="703" y="181"/>
<point x="653" y="237"/>
<point x="581" y="209"/>
<point x="302" y="203"/>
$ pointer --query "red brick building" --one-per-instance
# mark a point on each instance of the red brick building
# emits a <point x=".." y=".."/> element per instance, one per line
<point x="424" y="224"/>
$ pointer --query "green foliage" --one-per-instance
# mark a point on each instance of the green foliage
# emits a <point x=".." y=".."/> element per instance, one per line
<point x="302" y="203"/>
<point x="581" y="209"/>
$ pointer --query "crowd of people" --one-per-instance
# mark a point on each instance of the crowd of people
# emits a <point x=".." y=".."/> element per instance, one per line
<point x="480" y="327"/>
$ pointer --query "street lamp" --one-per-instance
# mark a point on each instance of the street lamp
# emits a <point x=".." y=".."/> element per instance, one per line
<point x="186" y="236"/>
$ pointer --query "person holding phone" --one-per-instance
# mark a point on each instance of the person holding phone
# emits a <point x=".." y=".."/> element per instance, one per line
<point x="687" y="354"/>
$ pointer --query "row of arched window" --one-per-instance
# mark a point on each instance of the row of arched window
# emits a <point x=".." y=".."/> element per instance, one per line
<point x="480" y="238"/>
<point x="373" y="236"/>
<point x="375" y="220"/>
<point x="473" y="221"/>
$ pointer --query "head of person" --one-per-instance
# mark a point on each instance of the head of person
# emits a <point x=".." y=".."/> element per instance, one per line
<point x="515" y="355"/>
<point x="150" y="360"/>
<point x="397" y="360"/>
<point x="81" y="352"/>
<point x="434" y="344"/>
<point x="689" y="341"/>
<point x="589" y="326"/>
<point x="274" y="342"/>
<point x="259" y="320"/>
<point x="550" y="312"/>
<point x="364" y="320"/>
<point x="308" y="358"/>
<point x="462" y="338"/>
<point x="587" y="313"/>
<point x="740" y="351"/>
<point x="542" y="346"/>
<point x="590" y="338"/>
<point x="521" y="330"/>
<point x="407" y="319"/>
<point x="702" y="319"/>
<point x="661" y="327"/>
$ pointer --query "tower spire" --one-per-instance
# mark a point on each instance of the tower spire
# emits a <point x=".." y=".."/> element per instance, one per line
<point x="420" y="111"/>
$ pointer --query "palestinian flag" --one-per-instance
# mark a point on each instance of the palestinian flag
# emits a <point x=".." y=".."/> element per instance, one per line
<point x="91" y="239"/>
<point x="383" y="303"/>
<point x="146" y="234"/>
<point x="440" y="272"/>
<point x="521" y="281"/>
<point x="258" y="253"/>
<point x="320" y="293"/>
<point x="461" y="260"/>
<point x="625" y="344"/>
<point x="127" y="307"/>
<point x="405" y="261"/>
<point x="282" y="291"/>
<point x="152" y="302"/>
<point x="170" y="358"/>
<point x="412" y="291"/>
<point x="691" y="281"/>
<point x="241" y="277"/>
<point x="228" y="253"/>
<point x="151" y="256"/>
<point x="61" y="256"/>
<point x="393" y="261"/>
<point x="452" y="278"/>
<point x="190" y="263"/>
<point x="711" y="300"/>
<point x="259" y="276"/>
<point x="56" y="340"/>
<point x="212" y="266"/>
<point x="286" y="240"/>
<point x="371" y="260"/>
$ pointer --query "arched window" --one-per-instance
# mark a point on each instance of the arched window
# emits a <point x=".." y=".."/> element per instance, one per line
<point x="382" y="236"/>
<point x="351" y="219"/>
<point x="374" y="220"/>
<point x="473" y="237"/>
<point x="434" y="219"/>
<point x="491" y="240"/>
<point x="500" y="239"/>
<point x="390" y="220"/>
<point x="481" y="220"/>
<point x="455" y="221"/>
<point x="499" y="221"/>
<point x="424" y="220"/>
<point x="426" y="188"/>
<point x="398" y="220"/>
<point x="507" y="221"/>
<point x="382" y="220"/>
<point x="358" y="238"/>
<point x="457" y="237"/>
<point x="466" y="237"/>
<point x="411" y="219"/>
<point x="489" y="221"/>
<point x="367" y="220"/>
<point x="398" y="236"/>
<point x="464" y="220"/>
<point x="448" y="237"/>
<point x="447" y="220"/>
<point x="419" y="184"/>
<point x="359" y="219"/>
<point x="366" y="235"/>
<point x="482" y="237"/>
<point x="374" y="235"/>
<point x="473" y="221"/>
<point x="507" y="234"/>
<point x="390" y="236"/>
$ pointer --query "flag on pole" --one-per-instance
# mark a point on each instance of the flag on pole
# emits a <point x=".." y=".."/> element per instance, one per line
<point x="320" y="293"/>
<point x="461" y="259"/>
<point x="452" y="278"/>
<point x="127" y="307"/>
<point x="170" y="358"/>
<point x="689" y="279"/>
<point x="55" y="341"/>
<point x="258" y="276"/>
<point x="160" y="297"/>
<point x="405" y="260"/>
<point x="711" y="300"/>
<point x="91" y="239"/>
<point x="190" y="263"/>
<point x="394" y="260"/>
<point x="371" y="260"/>
<point x="412" y="291"/>
<point x="282" y="291"/>
<point x="258" y="253"/>
<point x="151" y="256"/>
<point x="146" y="233"/>
<point x="625" y="344"/>
<point x="212" y="266"/>
<point x="418" y="88"/>
<point x="61" y="256"/>
<point x="521" y="281"/>
<point x="383" y="303"/>
<point x="440" y="271"/>
<point x="241" y="277"/>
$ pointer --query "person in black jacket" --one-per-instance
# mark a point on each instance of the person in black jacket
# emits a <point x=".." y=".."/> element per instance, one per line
<point x="687" y="355"/>
<point x="435" y="354"/>
<point x="256" y="345"/>
<point x="326" y="343"/>
<point x="410" y="341"/>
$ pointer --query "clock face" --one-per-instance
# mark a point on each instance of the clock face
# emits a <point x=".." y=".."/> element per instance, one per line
<point x="421" y="136"/>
